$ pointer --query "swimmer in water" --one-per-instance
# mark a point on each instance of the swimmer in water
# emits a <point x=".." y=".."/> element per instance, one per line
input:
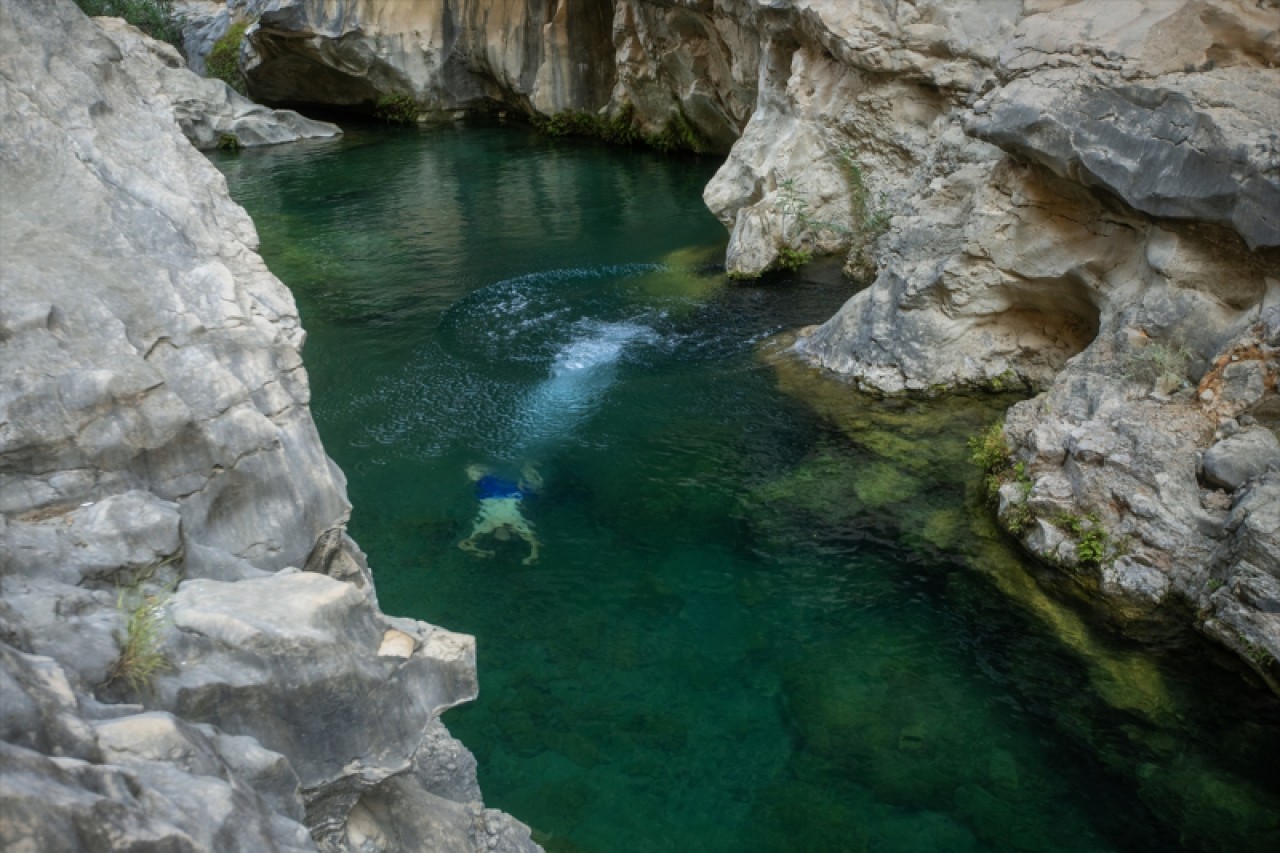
<point x="500" y="514"/>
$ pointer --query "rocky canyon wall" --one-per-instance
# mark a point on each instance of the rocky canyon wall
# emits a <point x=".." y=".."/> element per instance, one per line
<point x="1102" y="228"/>
<point x="191" y="651"/>
<point x="1075" y="197"/>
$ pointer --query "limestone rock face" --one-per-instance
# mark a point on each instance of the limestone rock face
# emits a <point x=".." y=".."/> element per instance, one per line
<point x="209" y="112"/>
<point x="691" y="65"/>
<point x="170" y="679"/>
<point x="1089" y="211"/>
<point x="545" y="56"/>
<point x="1170" y="147"/>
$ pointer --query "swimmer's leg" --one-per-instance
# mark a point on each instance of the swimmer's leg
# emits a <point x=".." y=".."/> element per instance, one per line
<point x="481" y="527"/>
<point x="528" y="536"/>
<point x="471" y="547"/>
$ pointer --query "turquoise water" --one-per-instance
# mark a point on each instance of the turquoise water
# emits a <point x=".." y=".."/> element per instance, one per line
<point x="768" y="615"/>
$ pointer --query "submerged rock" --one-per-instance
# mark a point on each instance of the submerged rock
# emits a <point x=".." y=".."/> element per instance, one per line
<point x="170" y="679"/>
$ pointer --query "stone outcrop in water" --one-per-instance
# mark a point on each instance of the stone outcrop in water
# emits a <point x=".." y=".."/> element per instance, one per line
<point x="1115" y="247"/>
<point x="209" y="112"/>
<point x="191" y="652"/>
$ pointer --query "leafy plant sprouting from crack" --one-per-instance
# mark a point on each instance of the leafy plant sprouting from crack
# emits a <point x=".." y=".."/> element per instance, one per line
<point x="990" y="451"/>
<point x="223" y="61"/>
<point x="869" y="220"/>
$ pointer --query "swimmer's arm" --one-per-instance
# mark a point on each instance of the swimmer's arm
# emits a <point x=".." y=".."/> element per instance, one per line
<point x="530" y="479"/>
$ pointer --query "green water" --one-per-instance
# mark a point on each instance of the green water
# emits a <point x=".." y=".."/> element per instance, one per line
<point x="768" y="615"/>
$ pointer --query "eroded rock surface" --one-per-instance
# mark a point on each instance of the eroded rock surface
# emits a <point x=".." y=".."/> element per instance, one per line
<point x="169" y="677"/>
<point x="1103" y="228"/>
<point x="545" y="56"/>
<point x="210" y="113"/>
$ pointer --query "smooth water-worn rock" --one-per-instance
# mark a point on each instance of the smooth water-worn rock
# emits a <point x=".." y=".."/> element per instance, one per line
<point x="542" y="56"/>
<point x="210" y="113"/>
<point x="161" y="486"/>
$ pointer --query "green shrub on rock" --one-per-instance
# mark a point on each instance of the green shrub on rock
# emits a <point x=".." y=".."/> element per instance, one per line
<point x="397" y="109"/>
<point x="223" y="61"/>
<point x="990" y="451"/>
<point x="790" y="259"/>
<point x="153" y="17"/>
<point x="1159" y="364"/>
<point x="678" y="134"/>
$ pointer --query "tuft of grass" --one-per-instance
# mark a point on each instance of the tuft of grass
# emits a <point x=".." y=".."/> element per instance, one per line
<point x="1254" y="652"/>
<point x="153" y="17"/>
<point x="223" y="61"/>
<point x="140" y="658"/>
<point x="397" y="109"/>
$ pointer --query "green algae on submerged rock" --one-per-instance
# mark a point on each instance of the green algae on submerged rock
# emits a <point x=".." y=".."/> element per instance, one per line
<point x="881" y="483"/>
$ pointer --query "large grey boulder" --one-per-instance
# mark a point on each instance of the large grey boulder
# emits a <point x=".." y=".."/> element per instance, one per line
<point x="75" y="775"/>
<point x="1199" y="146"/>
<point x="162" y="484"/>
<point x="1238" y="458"/>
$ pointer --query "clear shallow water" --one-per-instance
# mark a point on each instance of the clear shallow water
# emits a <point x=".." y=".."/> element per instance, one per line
<point x="769" y="615"/>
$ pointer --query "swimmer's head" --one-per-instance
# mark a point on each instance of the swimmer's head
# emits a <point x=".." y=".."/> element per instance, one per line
<point x="503" y="533"/>
<point x="475" y="472"/>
